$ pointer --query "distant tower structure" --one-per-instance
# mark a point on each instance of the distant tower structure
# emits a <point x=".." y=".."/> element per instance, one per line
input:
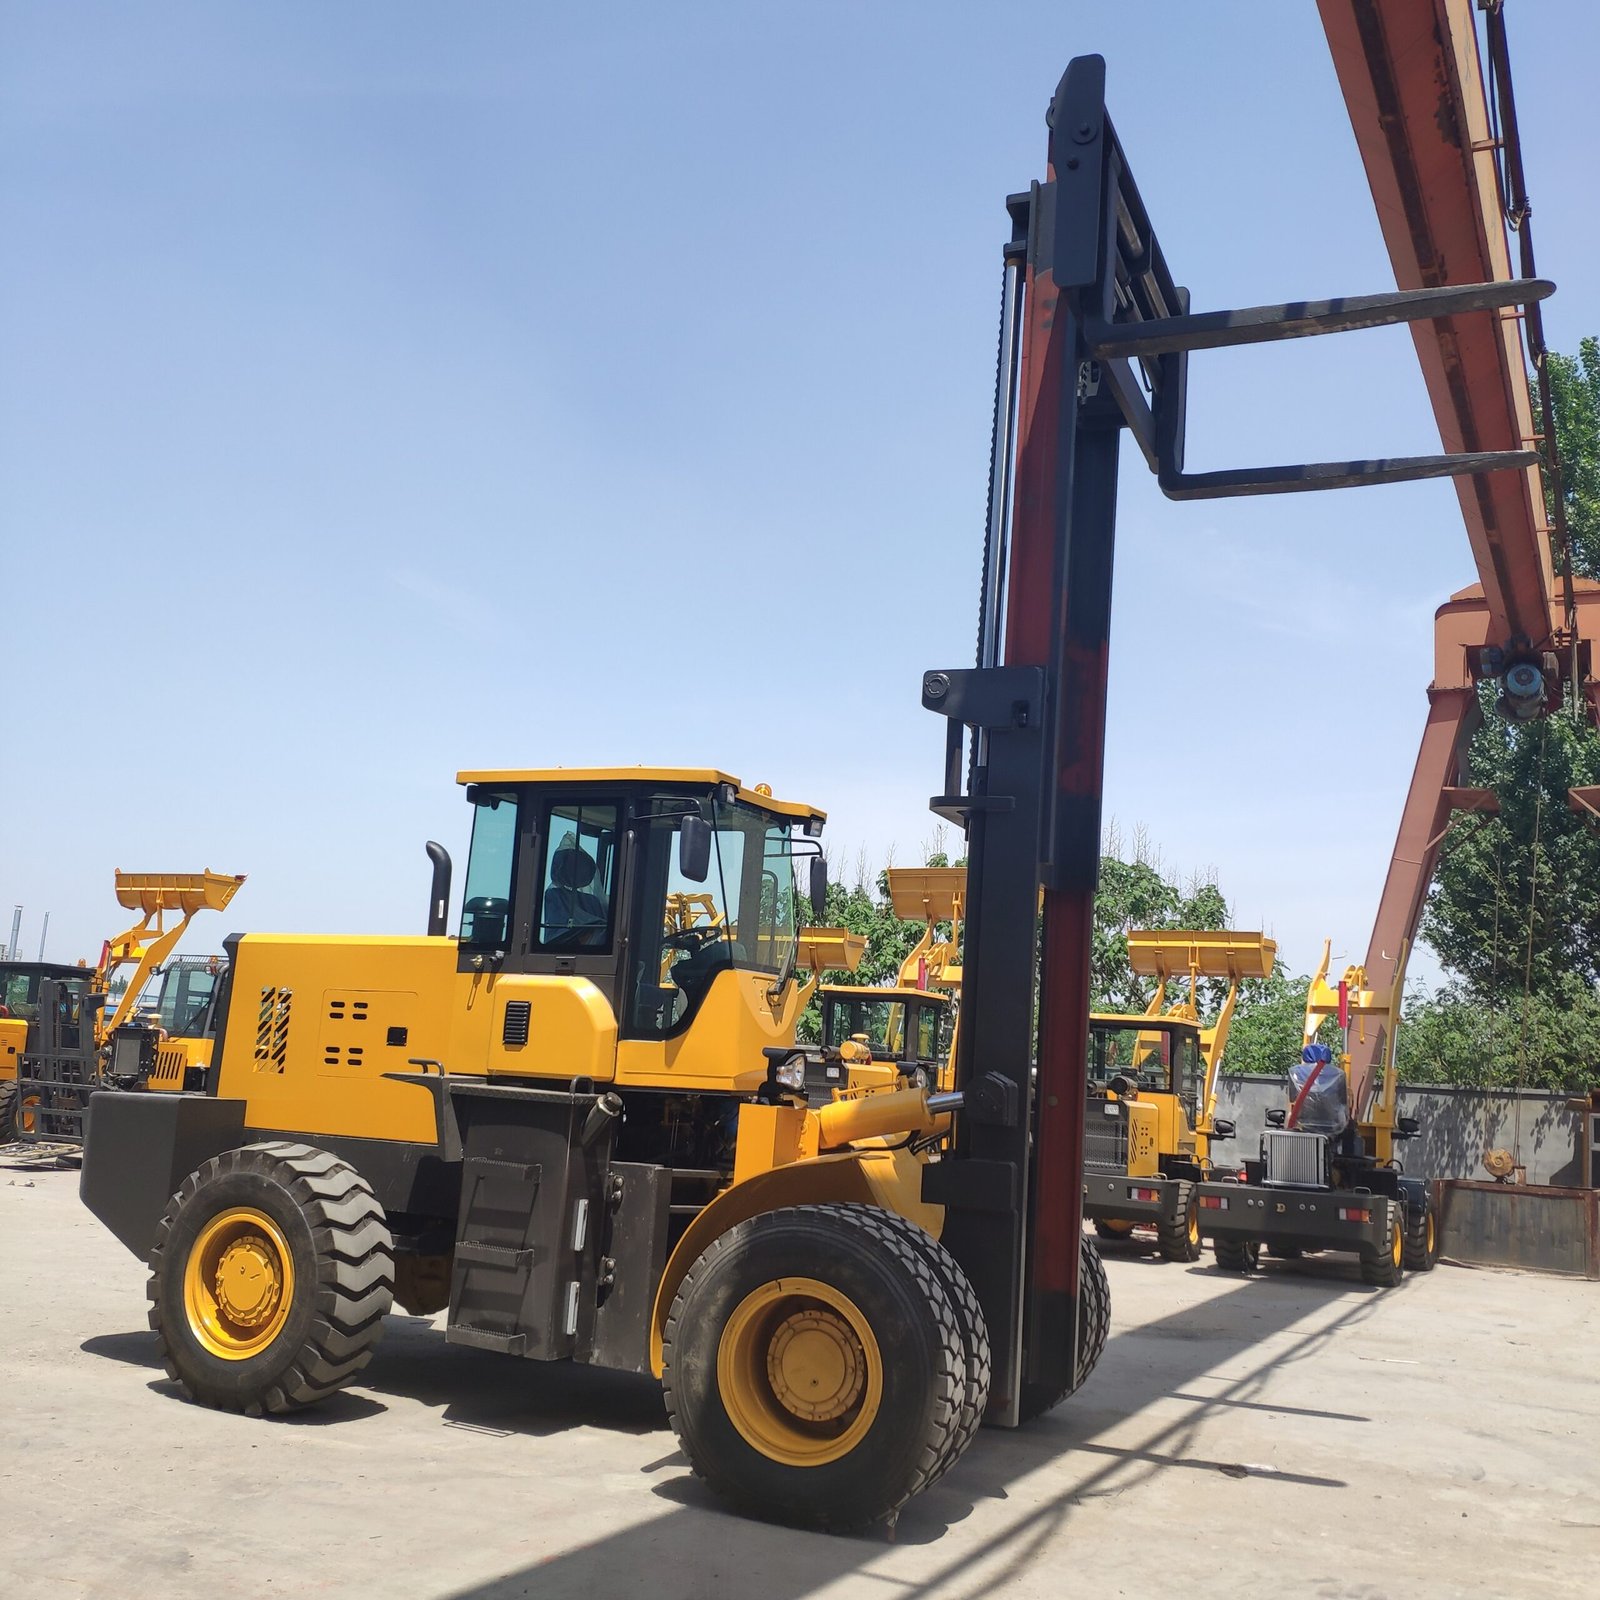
<point x="14" y="949"/>
<point x="44" y="933"/>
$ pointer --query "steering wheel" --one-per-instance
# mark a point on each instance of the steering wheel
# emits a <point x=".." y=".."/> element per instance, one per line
<point x="694" y="940"/>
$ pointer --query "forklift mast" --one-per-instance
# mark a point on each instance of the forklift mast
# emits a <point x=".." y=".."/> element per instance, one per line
<point x="1095" y="338"/>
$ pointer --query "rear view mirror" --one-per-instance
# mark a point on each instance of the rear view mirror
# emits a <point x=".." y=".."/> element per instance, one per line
<point x="1276" y="1117"/>
<point x="819" y="888"/>
<point x="1222" y="1129"/>
<point x="694" y="848"/>
<point x="1408" y="1127"/>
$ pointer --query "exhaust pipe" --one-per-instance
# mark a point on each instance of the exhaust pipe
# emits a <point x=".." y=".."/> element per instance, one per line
<point x="439" y="896"/>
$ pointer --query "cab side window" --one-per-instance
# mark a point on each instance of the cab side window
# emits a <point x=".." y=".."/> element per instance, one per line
<point x="578" y="876"/>
<point x="491" y="864"/>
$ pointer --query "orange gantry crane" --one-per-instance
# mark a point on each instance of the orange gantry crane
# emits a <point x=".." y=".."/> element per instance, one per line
<point x="1439" y="140"/>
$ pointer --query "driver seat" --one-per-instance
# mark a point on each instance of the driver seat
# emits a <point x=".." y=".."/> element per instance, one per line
<point x="568" y="906"/>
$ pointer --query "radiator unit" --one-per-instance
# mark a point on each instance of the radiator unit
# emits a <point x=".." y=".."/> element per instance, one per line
<point x="1295" y="1160"/>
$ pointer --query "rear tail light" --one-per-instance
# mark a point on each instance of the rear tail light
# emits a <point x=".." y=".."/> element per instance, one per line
<point x="1144" y="1194"/>
<point x="1354" y="1214"/>
<point x="1213" y="1202"/>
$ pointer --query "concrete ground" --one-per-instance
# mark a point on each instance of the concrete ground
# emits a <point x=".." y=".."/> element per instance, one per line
<point x="1292" y="1435"/>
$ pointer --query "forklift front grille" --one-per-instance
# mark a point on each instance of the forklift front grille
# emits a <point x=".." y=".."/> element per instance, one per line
<point x="1105" y="1136"/>
<point x="1294" y="1159"/>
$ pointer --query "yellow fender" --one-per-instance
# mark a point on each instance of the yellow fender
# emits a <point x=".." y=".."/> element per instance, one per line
<point x="891" y="1179"/>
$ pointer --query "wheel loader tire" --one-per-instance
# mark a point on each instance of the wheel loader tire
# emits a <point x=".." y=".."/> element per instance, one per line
<point x="1238" y="1255"/>
<point x="1094" y="1326"/>
<point x="974" y="1337"/>
<point x="270" y="1277"/>
<point x="1180" y="1238"/>
<point x="8" y="1112"/>
<point x="1110" y="1228"/>
<point x="1422" y="1239"/>
<point x="1384" y="1265"/>
<point x="813" y="1367"/>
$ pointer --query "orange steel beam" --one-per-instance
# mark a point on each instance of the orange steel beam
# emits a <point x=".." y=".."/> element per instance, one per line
<point x="1461" y="626"/>
<point x="1414" y="89"/>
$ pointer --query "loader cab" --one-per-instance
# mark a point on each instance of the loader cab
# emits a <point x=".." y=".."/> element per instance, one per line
<point x="650" y="884"/>
<point x="182" y="1006"/>
<point x="1151" y="1056"/>
<point x="908" y="1027"/>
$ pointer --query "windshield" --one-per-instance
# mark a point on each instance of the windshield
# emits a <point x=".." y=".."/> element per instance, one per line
<point x="742" y="915"/>
<point x="1141" y="1055"/>
<point x="19" y="989"/>
<point x="185" y="1000"/>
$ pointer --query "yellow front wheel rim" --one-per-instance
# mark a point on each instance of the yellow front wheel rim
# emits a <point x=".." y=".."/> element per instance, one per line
<point x="1194" y="1225"/>
<point x="1431" y="1237"/>
<point x="799" y="1372"/>
<point x="1117" y="1226"/>
<point x="1399" y="1248"/>
<point x="28" y="1115"/>
<point x="238" y="1283"/>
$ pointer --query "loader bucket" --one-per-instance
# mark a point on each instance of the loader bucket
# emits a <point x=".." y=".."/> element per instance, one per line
<point x="1223" y="953"/>
<point x="187" y="892"/>
<point x="923" y="893"/>
<point x="831" y="949"/>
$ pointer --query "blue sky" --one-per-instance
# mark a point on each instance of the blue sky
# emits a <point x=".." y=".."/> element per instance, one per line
<point x="387" y="389"/>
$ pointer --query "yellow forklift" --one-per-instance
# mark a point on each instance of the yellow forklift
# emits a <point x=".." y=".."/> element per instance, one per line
<point x="1327" y="1176"/>
<point x="1153" y="1088"/>
<point x="579" y="1127"/>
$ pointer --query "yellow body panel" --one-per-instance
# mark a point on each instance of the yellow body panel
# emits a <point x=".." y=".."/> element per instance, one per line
<point x="772" y="1136"/>
<point x="13" y="1041"/>
<point x="1144" y="1136"/>
<point x="721" y="1051"/>
<point x="174" y="1058"/>
<point x="667" y="777"/>
<point x="307" y="1043"/>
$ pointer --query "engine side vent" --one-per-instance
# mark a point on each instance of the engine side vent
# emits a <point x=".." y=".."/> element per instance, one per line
<point x="272" y="1029"/>
<point x="518" y="1015"/>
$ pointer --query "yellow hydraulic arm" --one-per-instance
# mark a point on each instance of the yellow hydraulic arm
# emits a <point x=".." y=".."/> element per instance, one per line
<point x="1362" y="1002"/>
<point x="157" y="896"/>
<point x="1166" y="953"/>
<point x="931" y="895"/>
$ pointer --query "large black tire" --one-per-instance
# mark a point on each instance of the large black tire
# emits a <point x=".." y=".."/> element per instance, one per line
<point x="275" y="1213"/>
<point x="723" y="1358"/>
<point x="1422" y="1238"/>
<point x="1180" y="1238"/>
<point x="1094" y="1326"/>
<point x="1237" y="1255"/>
<point x="974" y="1329"/>
<point x="1383" y="1265"/>
<point x="8" y="1111"/>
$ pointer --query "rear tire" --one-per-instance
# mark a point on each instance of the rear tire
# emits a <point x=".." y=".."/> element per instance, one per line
<point x="814" y="1367"/>
<point x="1180" y="1238"/>
<point x="270" y="1277"/>
<point x="1384" y="1266"/>
<point x="1422" y="1239"/>
<point x="1237" y="1255"/>
<point x="1094" y="1325"/>
<point x="8" y="1112"/>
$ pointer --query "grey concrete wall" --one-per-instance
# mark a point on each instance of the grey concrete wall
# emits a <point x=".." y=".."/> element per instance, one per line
<point x="1458" y="1125"/>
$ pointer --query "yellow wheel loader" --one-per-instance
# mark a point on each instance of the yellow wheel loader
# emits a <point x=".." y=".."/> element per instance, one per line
<point x="578" y="1128"/>
<point x="1153" y="1088"/>
<point x="908" y="1027"/>
<point x="73" y="1046"/>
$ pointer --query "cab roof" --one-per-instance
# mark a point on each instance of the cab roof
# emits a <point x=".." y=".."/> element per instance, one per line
<point x="663" y="777"/>
<point x="861" y="991"/>
<point x="1122" y="1019"/>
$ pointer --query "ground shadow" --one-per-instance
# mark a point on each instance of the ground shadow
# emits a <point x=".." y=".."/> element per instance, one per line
<point x="700" y="1549"/>
<point x="470" y="1388"/>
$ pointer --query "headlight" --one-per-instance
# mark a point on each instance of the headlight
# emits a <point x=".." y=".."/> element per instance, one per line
<point x="790" y="1072"/>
